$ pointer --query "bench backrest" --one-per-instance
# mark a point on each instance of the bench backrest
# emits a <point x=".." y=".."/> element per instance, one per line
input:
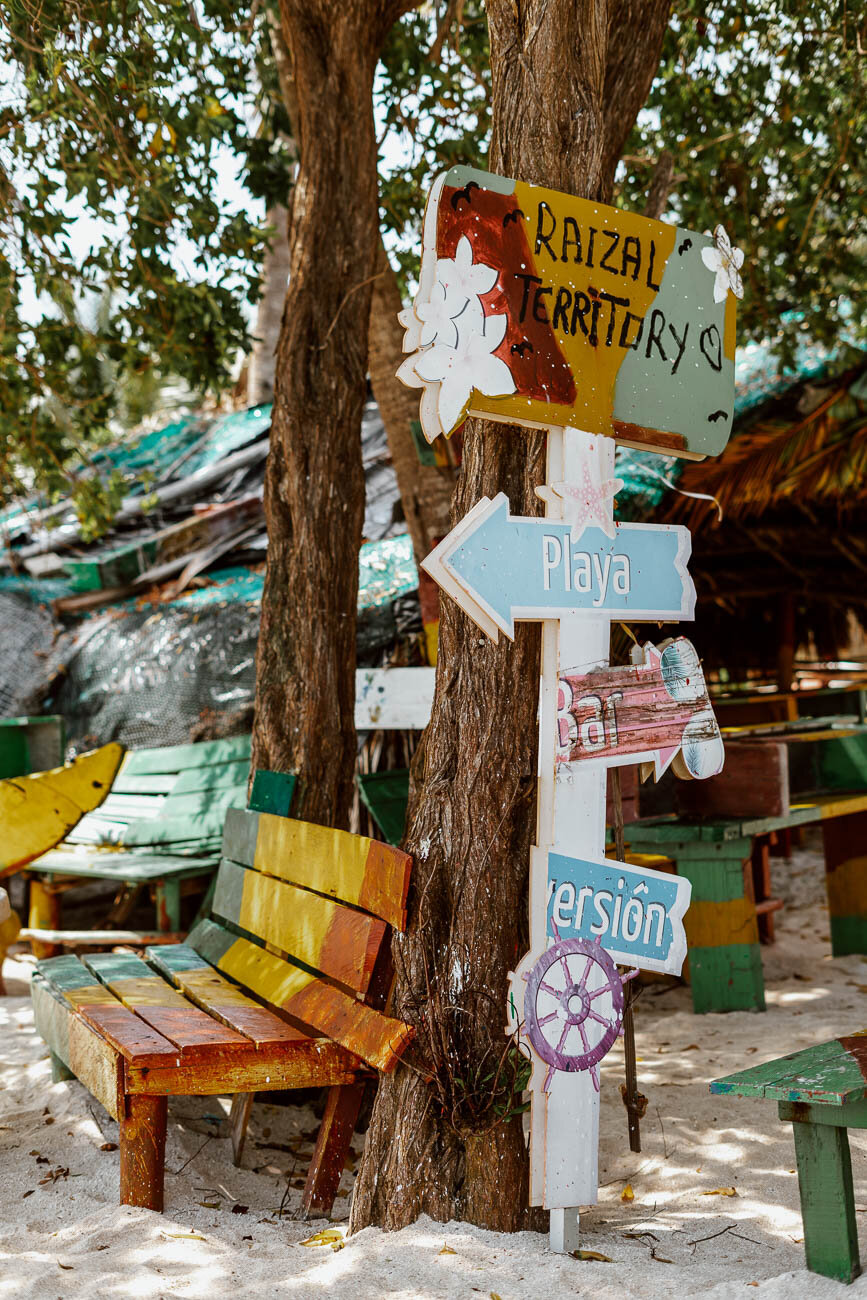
<point x="175" y="796"/>
<point x="300" y="915"/>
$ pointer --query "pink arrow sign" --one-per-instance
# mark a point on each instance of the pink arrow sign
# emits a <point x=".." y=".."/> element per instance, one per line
<point x="656" y="711"/>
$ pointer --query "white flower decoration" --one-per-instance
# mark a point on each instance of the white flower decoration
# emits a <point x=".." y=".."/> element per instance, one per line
<point x="460" y="369"/>
<point x="464" y="277"/>
<point x="725" y="262"/>
<point x="439" y="315"/>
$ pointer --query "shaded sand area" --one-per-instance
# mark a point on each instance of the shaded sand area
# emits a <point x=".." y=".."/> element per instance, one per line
<point x="230" y="1231"/>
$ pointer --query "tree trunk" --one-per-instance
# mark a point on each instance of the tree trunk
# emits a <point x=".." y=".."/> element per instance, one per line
<point x="442" y="1139"/>
<point x="314" y="482"/>
<point x="269" y="314"/>
<point x="425" y="490"/>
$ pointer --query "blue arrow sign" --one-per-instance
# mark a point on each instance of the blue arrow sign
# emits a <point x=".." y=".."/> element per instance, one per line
<point x="501" y="567"/>
<point x="636" y="913"/>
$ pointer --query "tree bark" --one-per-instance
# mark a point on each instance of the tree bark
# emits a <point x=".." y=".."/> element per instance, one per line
<point x="269" y="314"/>
<point x="442" y="1139"/>
<point x="425" y="490"/>
<point x="314" y="482"/>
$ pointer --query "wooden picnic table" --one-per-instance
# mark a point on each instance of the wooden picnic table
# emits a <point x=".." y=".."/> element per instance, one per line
<point x="722" y="922"/>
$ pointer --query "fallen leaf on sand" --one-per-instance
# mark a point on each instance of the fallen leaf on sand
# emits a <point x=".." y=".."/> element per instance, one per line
<point x="721" y="1191"/>
<point x="627" y="1194"/>
<point x="447" y="1250"/>
<point x="327" y="1237"/>
<point x="108" y="1146"/>
<point x="592" y="1256"/>
<point x="238" y="1208"/>
<point x="66" y="1266"/>
<point x="494" y="1296"/>
<point x="691" y="1047"/>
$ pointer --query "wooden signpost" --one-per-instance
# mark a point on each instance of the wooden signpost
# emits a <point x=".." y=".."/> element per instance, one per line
<point x="540" y="309"/>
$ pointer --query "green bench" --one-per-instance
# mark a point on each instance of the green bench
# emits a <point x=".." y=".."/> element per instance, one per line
<point x="282" y="985"/>
<point x="159" y="828"/>
<point x="822" y="1091"/>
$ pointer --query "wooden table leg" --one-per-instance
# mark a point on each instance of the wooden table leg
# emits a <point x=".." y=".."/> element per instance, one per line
<point x="722" y="933"/>
<point x="845" y="840"/>
<point x="332" y="1148"/>
<point x="44" y="915"/>
<point x="143" y="1151"/>
<point x="827" y="1200"/>
<point x="168" y="894"/>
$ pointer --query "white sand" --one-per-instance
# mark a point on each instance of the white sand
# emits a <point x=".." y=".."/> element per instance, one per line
<point x="67" y="1237"/>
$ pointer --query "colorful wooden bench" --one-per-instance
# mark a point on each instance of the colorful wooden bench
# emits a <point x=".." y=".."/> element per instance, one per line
<point x="282" y="986"/>
<point x="159" y="827"/>
<point x="822" y="1091"/>
<point x="725" y="963"/>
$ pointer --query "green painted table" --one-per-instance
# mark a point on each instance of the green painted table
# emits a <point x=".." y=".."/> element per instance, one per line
<point x="721" y="924"/>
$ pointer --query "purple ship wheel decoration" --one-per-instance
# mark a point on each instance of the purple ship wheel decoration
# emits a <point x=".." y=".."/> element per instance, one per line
<point x="574" y="1000"/>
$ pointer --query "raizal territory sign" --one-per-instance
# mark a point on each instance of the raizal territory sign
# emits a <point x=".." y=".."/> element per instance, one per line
<point x="542" y="309"/>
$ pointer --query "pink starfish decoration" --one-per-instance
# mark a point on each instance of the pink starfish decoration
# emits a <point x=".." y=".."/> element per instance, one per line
<point x="585" y="505"/>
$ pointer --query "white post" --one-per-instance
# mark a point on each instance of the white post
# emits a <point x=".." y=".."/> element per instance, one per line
<point x="571" y="815"/>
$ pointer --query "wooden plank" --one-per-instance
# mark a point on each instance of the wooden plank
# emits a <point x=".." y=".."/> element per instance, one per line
<point x="170" y="830"/>
<point x="208" y="989"/>
<point x="177" y="758"/>
<point x="195" y="779"/>
<point x="832" y="1072"/>
<point x="136" y="1041"/>
<point x="332" y="1147"/>
<point x="37" y="811"/>
<point x="194" y="1033"/>
<point x="97" y="938"/>
<point x="81" y="1049"/>
<point x="393" y="698"/>
<point x="375" y="1038"/>
<point x="827" y="1201"/>
<point x="131" y="868"/>
<point x="310" y="1063"/>
<point x="753" y="783"/>
<point x="156" y="783"/>
<point x="349" y="867"/>
<point x="200" y="802"/>
<point x="385" y="795"/>
<point x="339" y="941"/>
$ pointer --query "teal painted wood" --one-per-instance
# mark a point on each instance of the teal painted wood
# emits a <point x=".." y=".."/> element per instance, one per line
<point x="827" y="1201"/>
<point x="829" y="1073"/>
<point x="240" y="831"/>
<point x="211" y="941"/>
<point x="172" y="957"/>
<point x="65" y="972"/>
<point x="195" y="779"/>
<point x="149" y="782"/>
<point x="853" y="1115"/>
<point x="171" y="830"/>
<point x="128" y="868"/>
<point x="229" y="891"/>
<point x="60" y="1071"/>
<point x="108" y="966"/>
<point x="385" y="795"/>
<point x="168" y="904"/>
<point x="272" y="792"/>
<point x="728" y="978"/>
<point x="177" y="758"/>
<point x="848" y="935"/>
<point x="202" y="802"/>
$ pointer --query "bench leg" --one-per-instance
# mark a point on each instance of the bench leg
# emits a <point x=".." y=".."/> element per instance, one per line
<point x="239" y="1118"/>
<point x="332" y="1148"/>
<point x="44" y="915"/>
<point x="168" y="906"/>
<point x="827" y="1200"/>
<point x="60" y="1071"/>
<point x="143" y="1151"/>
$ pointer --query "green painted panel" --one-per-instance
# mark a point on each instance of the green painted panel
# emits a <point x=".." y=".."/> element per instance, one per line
<point x="272" y="792"/>
<point x="229" y="892"/>
<point x="780" y="1071"/>
<point x="217" y="777"/>
<point x="827" y="1201"/>
<point x="168" y="830"/>
<point x="109" y="966"/>
<point x="385" y="795"/>
<point x="169" y="957"/>
<point x="197" y="804"/>
<point x="210" y="941"/>
<point x="848" y="935"/>
<point x="714" y="880"/>
<point x="65" y="972"/>
<point x="240" y="832"/>
<point x="727" y="979"/>
<point x="14" y="752"/>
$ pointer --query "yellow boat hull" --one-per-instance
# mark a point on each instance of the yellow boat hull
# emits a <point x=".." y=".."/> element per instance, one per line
<point x="37" y="811"/>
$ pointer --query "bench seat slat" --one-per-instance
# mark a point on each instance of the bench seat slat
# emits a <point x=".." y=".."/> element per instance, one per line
<point x="339" y="941"/>
<point x="194" y="1032"/>
<point x="170" y="830"/>
<point x="377" y="1039"/>
<point x="205" y="986"/>
<point x="349" y="867"/>
<point x="307" y="1063"/>
<point x="122" y="865"/>
<point x="834" y="1073"/>
<point x="68" y="978"/>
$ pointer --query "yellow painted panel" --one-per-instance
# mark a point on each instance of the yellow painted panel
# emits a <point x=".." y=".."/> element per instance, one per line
<point x="143" y="991"/>
<point x="268" y="976"/>
<point x="90" y="995"/>
<point x="332" y="862"/>
<point x="207" y="986"/>
<point x="847" y="888"/>
<point x="274" y="912"/>
<point x="37" y="811"/>
<point x="714" y="924"/>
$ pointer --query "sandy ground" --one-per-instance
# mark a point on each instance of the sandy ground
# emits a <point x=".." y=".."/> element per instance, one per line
<point x="63" y="1235"/>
